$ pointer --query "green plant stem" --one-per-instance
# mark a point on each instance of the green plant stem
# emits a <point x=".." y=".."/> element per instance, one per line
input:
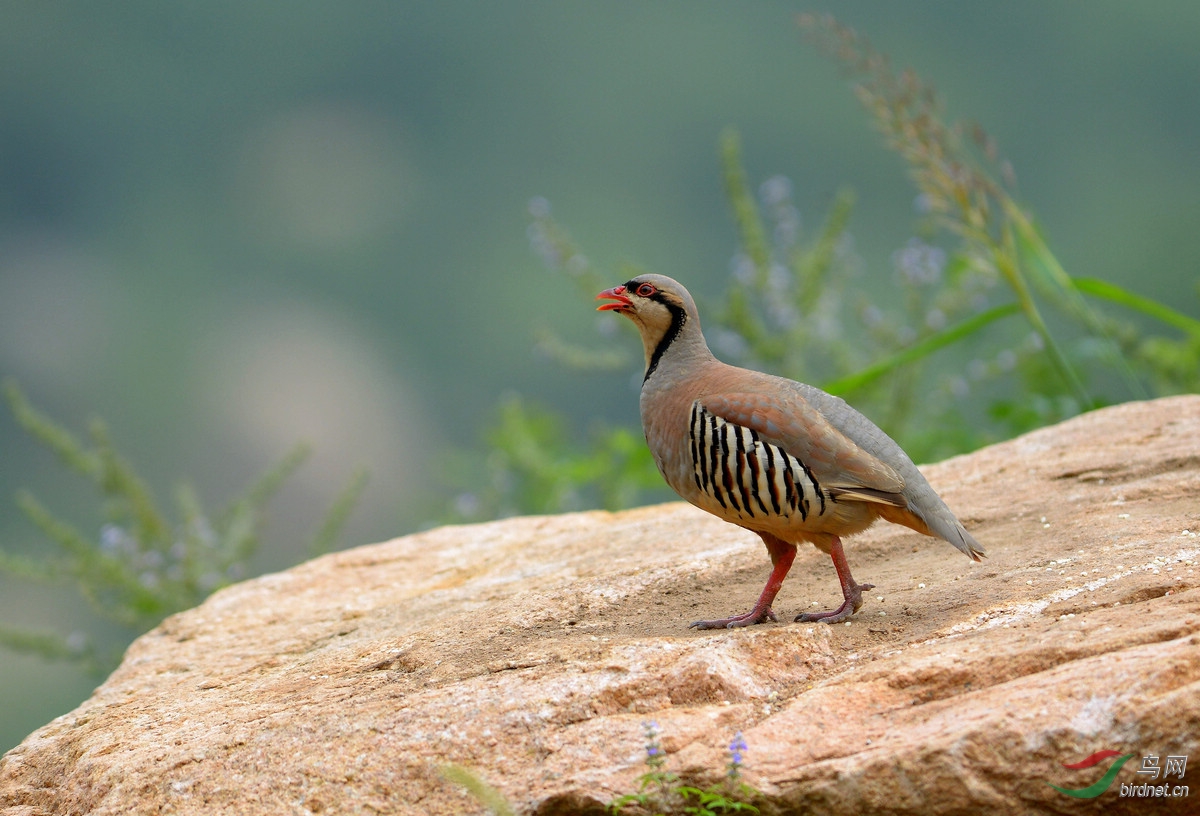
<point x="116" y="478"/>
<point x="1057" y="284"/>
<point x="752" y="234"/>
<point x="745" y="210"/>
<point x="811" y="267"/>
<point x="1006" y="263"/>
<point x="339" y="512"/>
<point x="61" y="441"/>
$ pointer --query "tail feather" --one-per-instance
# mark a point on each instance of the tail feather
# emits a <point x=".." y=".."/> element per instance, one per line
<point x="935" y="521"/>
<point x="948" y="527"/>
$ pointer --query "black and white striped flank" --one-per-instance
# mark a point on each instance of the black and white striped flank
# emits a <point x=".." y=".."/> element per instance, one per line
<point x="746" y="475"/>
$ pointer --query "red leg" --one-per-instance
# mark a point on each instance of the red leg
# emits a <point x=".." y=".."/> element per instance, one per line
<point x="851" y="592"/>
<point x="782" y="555"/>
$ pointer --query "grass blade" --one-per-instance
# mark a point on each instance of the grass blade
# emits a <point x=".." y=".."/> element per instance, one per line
<point x="484" y="793"/>
<point x="1159" y="311"/>
<point x="934" y="342"/>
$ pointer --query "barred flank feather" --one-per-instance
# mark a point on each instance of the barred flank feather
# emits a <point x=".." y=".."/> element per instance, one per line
<point x="753" y="478"/>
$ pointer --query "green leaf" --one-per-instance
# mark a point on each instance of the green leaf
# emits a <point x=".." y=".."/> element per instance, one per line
<point x="484" y="793"/>
<point x="917" y="351"/>
<point x="1159" y="311"/>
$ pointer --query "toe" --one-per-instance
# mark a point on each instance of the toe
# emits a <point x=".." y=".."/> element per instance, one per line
<point x="836" y="616"/>
<point x="749" y="619"/>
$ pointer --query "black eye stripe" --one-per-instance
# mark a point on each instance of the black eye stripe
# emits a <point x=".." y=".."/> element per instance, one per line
<point x="634" y="287"/>
<point x="658" y="295"/>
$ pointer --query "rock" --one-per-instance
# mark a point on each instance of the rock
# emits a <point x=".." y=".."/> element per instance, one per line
<point x="533" y="649"/>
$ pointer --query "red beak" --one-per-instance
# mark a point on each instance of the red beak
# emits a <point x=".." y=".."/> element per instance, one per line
<point x="617" y="293"/>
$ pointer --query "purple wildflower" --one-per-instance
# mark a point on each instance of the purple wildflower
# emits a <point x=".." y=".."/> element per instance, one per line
<point x="737" y="748"/>
<point x="654" y="750"/>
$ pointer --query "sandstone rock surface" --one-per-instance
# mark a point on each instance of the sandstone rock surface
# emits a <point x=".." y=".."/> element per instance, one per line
<point x="533" y="649"/>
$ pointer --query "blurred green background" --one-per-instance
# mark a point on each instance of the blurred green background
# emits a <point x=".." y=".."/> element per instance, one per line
<point x="230" y="226"/>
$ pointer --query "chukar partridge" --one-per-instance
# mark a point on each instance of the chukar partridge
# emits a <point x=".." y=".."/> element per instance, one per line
<point x="778" y="457"/>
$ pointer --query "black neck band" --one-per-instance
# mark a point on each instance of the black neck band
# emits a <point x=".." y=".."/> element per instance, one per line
<point x="678" y="318"/>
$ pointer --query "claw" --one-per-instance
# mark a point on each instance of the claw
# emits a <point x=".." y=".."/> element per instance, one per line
<point x="782" y="555"/>
<point x="849" y="606"/>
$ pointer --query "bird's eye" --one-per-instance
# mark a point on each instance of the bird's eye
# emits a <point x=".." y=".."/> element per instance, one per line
<point x="646" y="290"/>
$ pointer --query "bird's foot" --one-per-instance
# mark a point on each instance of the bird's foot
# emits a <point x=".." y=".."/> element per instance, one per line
<point x="849" y="606"/>
<point x="755" y="615"/>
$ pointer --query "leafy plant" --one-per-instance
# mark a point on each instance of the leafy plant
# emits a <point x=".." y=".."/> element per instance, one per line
<point x="657" y="784"/>
<point x="968" y="191"/>
<point x="983" y="335"/>
<point x="660" y="791"/>
<point x="532" y="467"/>
<point x="141" y="566"/>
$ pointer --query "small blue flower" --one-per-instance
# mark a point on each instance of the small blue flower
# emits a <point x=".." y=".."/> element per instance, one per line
<point x="654" y="749"/>
<point x="116" y="540"/>
<point x="737" y="749"/>
<point x="919" y="263"/>
<point x="776" y="190"/>
<point x="741" y="266"/>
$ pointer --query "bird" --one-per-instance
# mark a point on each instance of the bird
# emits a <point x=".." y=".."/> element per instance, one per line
<point x="780" y="458"/>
